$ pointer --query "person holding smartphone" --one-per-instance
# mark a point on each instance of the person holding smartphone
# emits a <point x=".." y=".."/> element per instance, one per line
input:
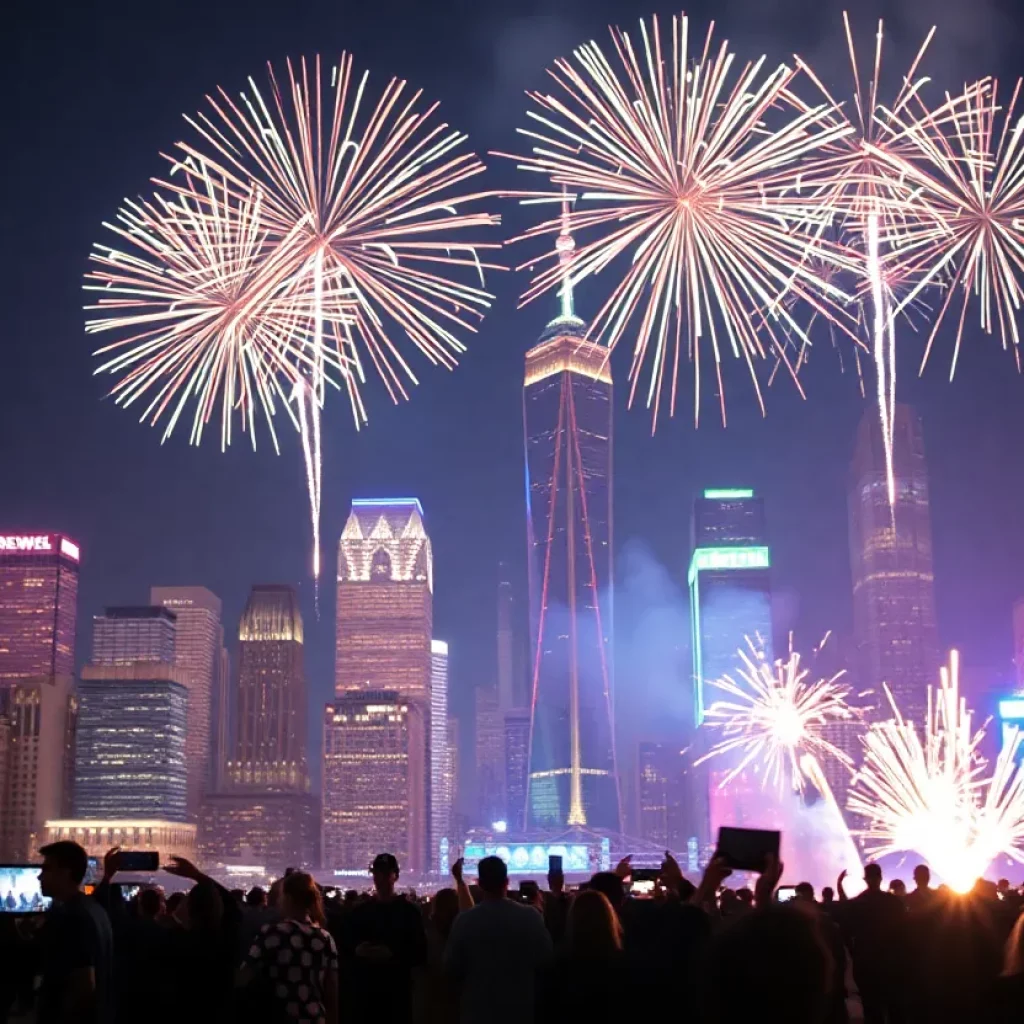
<point x="77" y="944"/>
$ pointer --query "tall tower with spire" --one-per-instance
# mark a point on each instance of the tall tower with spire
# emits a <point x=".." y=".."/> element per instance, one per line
<point x="567" y="418"/>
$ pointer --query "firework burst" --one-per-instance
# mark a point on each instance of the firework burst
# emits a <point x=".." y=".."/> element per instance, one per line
<point x="775" y="716"/>
<point x="203" y="315"/>
<point x="338" y="223"/>
<point x="931" y="793"/>
<point x="675" y="169"/>
<point x="873" y="204"/>
<point x="969" y="181"/>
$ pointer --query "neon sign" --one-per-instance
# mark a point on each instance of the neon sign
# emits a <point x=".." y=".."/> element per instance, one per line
<point x="37" y="543"/>
<point x="728" y="494"/>
<point x="34" y="543"/>
<point x="728" y="558"/>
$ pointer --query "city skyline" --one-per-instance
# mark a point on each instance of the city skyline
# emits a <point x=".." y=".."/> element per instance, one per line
<point x="171" y="513"/>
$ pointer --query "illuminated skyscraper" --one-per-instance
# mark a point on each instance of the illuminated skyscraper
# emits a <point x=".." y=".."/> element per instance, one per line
<point x="385" y="629"/>
<point x="440" y="809"/>
<point x="38" y="605"/>
<point x="270" y="737"/>
<point x="567" y="412"/>
<point x="264" y="814"/>
<point x="385" y="602"/>
<point x="489" y="732"/>
<point x="507" y="696"/>
<point x="517" y="766"/>
<point x="891" y="562"/>
<point x="450" y="793"/>
<point x="123" y="636"/>
<point x="222" y="724"/>
<point x="661" y="794"/>
<point x="730" y="601"/>
<point x="198" y="645"/>
<point x="130" y="761"/>
<point x="373" y="785"/>
<point x="1018" y="641"/>
<point x="43" y="714"/>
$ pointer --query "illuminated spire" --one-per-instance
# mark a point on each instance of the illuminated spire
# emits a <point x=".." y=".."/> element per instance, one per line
<point x="565" y="246"/>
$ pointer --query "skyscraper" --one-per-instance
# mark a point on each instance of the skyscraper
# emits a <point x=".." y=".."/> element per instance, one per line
<point x="270" y="737"/>
<point x="124" y="636"/>
<point x="489" y="731"/>
<point x="384" y="632"/>
<point x="385" y="601"/>
<point x="507" y="697"/>
<point x="662" y="794"/>
<point x="450" y="793"/>
<point x="730" y="585"/>
<point x="1018" y="641"/>
<point x="567" y="413"/>
<point x="43" y="713"/>
<point x="730" y="602"/>
<point x="130" y="749"/>
<point x="374" y="749"/>
<point x="440" y="810"/>
<point x="517" y="766"/>
<point x="38" y="605"/>
<point x="198" y="646"/>
<point x="264" y="813"/>
<point x="891" y="562"/>
<point x="222" y="733"/>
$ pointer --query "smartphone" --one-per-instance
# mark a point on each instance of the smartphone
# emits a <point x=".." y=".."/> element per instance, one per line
<point x="554" y="864"/>
<point x="785" y="893"/>
<point x="138" y="860"/>
<point x="20" y="892"/>
<point x="746" y="849"/>
<point x="642" y="886"/>
<point x="645" y="875"/>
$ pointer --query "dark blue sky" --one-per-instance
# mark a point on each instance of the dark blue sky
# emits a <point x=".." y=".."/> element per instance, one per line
<point x="93" y="92"/>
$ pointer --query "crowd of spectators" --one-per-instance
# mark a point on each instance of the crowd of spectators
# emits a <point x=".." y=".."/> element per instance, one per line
<point x="476" y="954"/>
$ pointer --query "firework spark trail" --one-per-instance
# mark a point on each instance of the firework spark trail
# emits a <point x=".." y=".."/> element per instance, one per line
<point x="929" y="793"/>
<point x="305" y="233"/>
<point x="875" y="204"/>
<point x="884" y="353"/>
<point x="674" y="168"/>
<point x="970" y="182"/>
<point x="776" y="716"/>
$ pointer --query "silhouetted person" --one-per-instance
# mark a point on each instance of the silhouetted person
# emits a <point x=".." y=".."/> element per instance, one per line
<point x="495" y="951"/>
<point x="921" y="897"/>
<point x="899" y="889"/>
<point x="141" y="949"/>
<point x="1005" y="1004"/>
<point x="385" y="939"/>
<point x="296" y="956"/>
<point x="77" y="944"/>
<point x="256" y="897"/>
<point x="768" y="965"/>
<point x="833" y="939"/>
<point x="875" y="922"/>
<point x="437" y="999"/>
<point x="588" y="980"/>
<point x="203" y="952"/>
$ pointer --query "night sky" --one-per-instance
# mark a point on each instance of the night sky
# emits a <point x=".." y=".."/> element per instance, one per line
<point x="94" y="92"/>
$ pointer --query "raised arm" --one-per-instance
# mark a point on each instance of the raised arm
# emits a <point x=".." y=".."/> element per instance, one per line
<point x="840" y="891"/>
<point x="465" y="896"/>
